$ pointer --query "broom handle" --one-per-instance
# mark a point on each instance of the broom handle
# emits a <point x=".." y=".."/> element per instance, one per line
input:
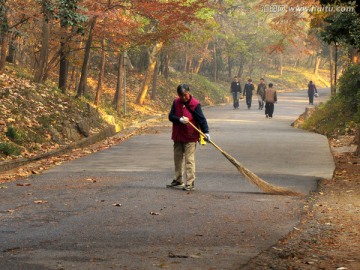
<point x="202" y="133"/>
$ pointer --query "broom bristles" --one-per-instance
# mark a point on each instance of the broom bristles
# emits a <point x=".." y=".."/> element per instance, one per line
<point x="250" y="176"/>
<point x="253" y="178"/>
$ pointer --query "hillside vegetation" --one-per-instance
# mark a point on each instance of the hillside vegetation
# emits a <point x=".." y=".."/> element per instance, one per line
<point x="341" y="115"/>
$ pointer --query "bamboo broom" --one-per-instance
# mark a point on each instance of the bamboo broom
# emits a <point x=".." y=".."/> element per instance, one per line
<point x="250" y="176"/>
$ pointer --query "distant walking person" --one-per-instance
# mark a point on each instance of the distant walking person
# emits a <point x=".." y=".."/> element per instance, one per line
<point x="248" y="92"/>
<point x="270" y="99"/>
<point x="235" y="89"/>
<point x="312" y="91"/>
<point x="261" y="93"/>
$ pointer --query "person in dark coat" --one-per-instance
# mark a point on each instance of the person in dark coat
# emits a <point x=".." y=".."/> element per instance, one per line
<point x="235" y="89"/>
<point x="185" y="109"/>
<point x="261" y="93"/>
<point x="248" y="92"/>
<point x="312" y="91"/>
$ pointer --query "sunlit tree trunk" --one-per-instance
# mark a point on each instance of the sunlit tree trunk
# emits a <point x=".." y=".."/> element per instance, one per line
<point x="119" y="83"/>
<point x="149" y="73"/>
<point x="154" y="84"/>
<point x="281" y="64"/>
<point x="354" y="55"/>
<point x="101" y="73"/>
<point x="317" y="65"/>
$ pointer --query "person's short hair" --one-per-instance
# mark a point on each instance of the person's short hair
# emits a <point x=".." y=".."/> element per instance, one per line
<point x="249" y="80"/>
<point x="310" y="82"/>
<point x="270" y="85"/>
<point x="262" y="79"/>
<point x="182" y="89"/>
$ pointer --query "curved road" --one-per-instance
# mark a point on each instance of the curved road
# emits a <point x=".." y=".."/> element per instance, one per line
<point x="76" y="224"/>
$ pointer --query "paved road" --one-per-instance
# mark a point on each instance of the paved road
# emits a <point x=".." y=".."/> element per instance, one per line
<point x="220" y="225"/>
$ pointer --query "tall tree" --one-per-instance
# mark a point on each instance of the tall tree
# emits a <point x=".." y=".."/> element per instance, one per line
<point x="47" y="12"/>
<point x="4" y="28"/>
<point x="166" y="21"/>
<point x="69" y="17"/>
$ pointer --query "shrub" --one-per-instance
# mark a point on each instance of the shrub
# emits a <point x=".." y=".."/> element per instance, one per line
<point x="15" y="135"/>
<point x="9" y="149"/>
<point x="331" y="118"/>
<point x="349" y="89"/>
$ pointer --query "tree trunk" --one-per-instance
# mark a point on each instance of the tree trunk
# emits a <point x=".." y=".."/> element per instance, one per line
<point x="4" y="46"/>
<point x="317" y="64"/>
<point x="215" y="64"/>
<point x="281" y="64"/>
<point x="154" y="85"/>
<point x="251" y="69"/>
<point x="11" y="58"/>
<point x="101" y="73"/>
<point x="150" y="70"/>
<point x="331" y="64"/>
<point x="119" y="83"/>
<point x="241" y="66"/>
<point x="186" y="58"/>
<point x="201" y="60"/>
<point x="167" y="63"/>
<point x="63" y="63"/>
<point x="4" y="27"/>
<point x="43" y="58"/>
<point x="353" y="55"/>
<point x="83" y="76"/>
<point x="357" y="152"/>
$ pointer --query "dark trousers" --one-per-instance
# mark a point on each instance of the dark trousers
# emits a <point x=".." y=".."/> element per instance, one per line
<point x="248" y="101"/>
<point x="311" y="99"/>
<point x="269" y="109"/>
<point x="235" y="100"/>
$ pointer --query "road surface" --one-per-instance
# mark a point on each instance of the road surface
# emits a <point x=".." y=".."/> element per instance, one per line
<point x="111" y="209"/>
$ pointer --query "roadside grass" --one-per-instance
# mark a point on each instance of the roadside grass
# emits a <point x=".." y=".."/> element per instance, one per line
<point x="331" y="119"/>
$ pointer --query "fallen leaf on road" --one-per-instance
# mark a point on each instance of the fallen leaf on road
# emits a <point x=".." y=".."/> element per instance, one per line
<point x="3" y="187"/>
<point x="91" y="180"/>
<point x="172" y="255"/>
<point x="23" y="184"/>
<point x="40" y="201"/>
<point x="154" y="213"/>
<point x="116" y="204"/>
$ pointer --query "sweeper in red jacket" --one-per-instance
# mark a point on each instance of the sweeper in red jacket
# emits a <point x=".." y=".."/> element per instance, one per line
<point x="184" y="109"/>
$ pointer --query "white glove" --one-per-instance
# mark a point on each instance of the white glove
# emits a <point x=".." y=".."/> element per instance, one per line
<point x="184" y="120"/>
<point x="207" y="138"/>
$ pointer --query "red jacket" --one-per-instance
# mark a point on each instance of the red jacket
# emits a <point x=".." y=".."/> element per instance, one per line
<point x="182" y="132"/>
